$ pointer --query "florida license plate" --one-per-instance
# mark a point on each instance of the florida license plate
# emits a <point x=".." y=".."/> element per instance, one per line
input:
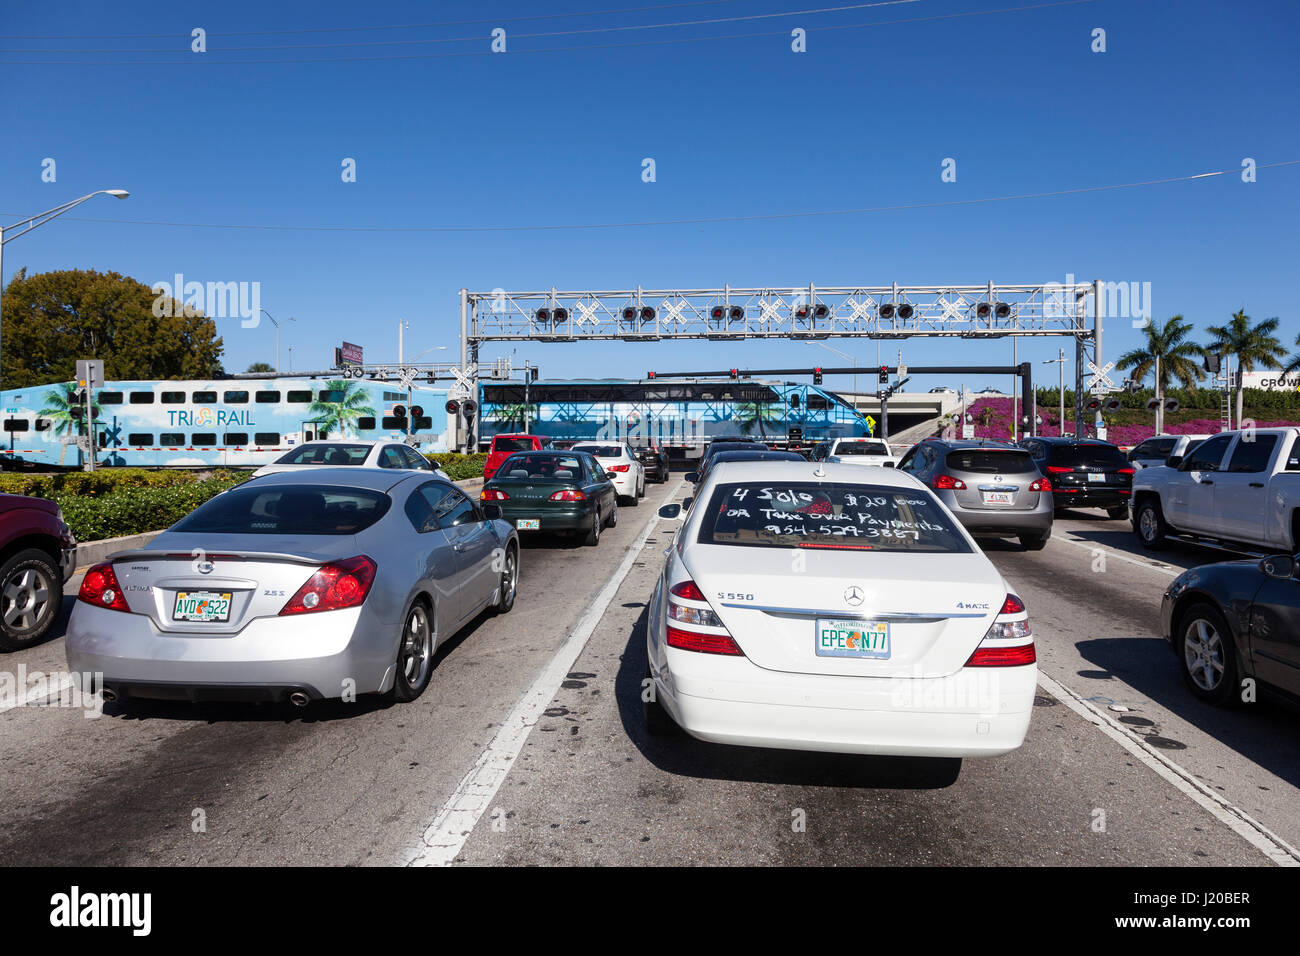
<point x="862" y="639"/>
<point x="529" y="524"/>
<point x="1094" y="476"/>
<point x="998" y="497"/>
<point x="202" y="606"/>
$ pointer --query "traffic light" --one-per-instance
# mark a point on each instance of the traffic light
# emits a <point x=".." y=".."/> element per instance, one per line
<point x="735" y="374"/>
<point x="561" y="315"/>
<point x="417" y="411"/>
<point x="1213" y="362"/>
<point x="820" y="311"/>
<point x="649" y="374"/>
<point x="817" y="376"/>
<point x="887" y="310"/>
<point x="884" y="375"/>
<point x="470" y="406"/>
<point x="904" y="311"/>
<point x="543" y="315"/>
<point x="399" y="411"/>
<point x="532" y="374"/>
<point x="1093" y="404"/>
<point x="452" y="406"/>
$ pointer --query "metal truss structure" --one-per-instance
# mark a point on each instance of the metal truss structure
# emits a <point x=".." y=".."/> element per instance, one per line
<point x="809" y="312"/>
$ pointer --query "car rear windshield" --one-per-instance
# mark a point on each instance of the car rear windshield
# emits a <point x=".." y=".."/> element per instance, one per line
<point x="513" y="444"/>
<point x="990" y="461"/>
<point x="825" y="515"/>
<point x="325" y="455"/>
<point x="1088" y="456"/>
<point x="718" y="447"/>
<point x="288" y="510"/>
<point x="557" y="467"/>
<point x="601" y="451"/>
<point x="861" y="448"/>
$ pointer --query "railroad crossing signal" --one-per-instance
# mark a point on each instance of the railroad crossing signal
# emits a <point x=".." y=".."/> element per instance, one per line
<point x="1101" y="383"/>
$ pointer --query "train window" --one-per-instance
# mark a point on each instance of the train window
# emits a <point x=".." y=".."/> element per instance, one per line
<point x="331" y="395"/>
<point x="109" y="398"/>
<point x="302" y="397"/>
<point x="204" y="438"/>
<point x="172" y="439"/>
<point x="173" y="398"/>
<point x="424" y="421"/>
<point x="204" y="397"/>
<point x="392" y="422"/>
<point x="272" y="398"/>
<point x="236" y="438"/>
<point x="17" y="425"/>
<point x="43" y="424"/>
<point x="366" y="424"/>
<point x="266" y="438"/>
<point x="236" y="398"/>
<point x="139" y="438"/>
<point x="141" y="398"/>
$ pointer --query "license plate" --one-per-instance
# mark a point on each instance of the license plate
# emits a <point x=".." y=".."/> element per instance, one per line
<point x="202" y="606"/>
<point x="529" y="524"/>
<point x="998" y="497"/>
<point x="1094" y="476"/>
<point x="861" y="639"/>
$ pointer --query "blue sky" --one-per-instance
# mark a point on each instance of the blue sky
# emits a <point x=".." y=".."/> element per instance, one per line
<point x="736" y="127"/>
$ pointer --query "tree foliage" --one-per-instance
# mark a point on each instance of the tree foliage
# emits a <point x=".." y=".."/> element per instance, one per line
<point x="54" y="318"/>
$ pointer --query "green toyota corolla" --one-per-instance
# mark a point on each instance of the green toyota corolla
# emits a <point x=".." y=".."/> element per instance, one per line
<point x="554" y="491"/>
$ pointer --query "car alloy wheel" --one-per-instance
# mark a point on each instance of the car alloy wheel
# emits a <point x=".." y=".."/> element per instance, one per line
<point x="26" y="599"/>
<point x="1203" y="654"/>
<point x="415" y="655"/>
<point x="509" y="582"/>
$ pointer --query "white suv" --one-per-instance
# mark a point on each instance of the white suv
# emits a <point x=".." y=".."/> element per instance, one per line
<point x="624" y="468"/>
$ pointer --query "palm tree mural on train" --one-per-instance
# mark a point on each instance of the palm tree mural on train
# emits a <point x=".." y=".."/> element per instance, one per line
<point x="341" y="416"/>
<point x="59" y="411"/>
<point x="751" y="415"/>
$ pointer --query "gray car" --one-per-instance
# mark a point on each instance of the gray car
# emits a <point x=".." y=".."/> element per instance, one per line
<point x="992" y="488"/>
<point x="296" y="586"/>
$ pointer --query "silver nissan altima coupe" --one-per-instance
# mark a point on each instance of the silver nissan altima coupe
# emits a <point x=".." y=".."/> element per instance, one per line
<point x="296" y="586"/>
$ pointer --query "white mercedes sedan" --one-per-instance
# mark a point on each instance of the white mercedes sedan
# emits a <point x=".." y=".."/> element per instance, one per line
<point x="825" y="607"/>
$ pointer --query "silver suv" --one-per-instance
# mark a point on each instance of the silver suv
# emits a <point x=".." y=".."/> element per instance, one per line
<point x="991" y="487"/>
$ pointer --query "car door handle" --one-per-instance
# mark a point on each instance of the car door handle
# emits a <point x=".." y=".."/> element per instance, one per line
<point x="1206" y="481"/>
<point x="1257" y="484"/>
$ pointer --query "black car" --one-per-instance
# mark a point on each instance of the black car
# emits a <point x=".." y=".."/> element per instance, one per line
<point x="1084" y="472"/>
<point x="719" y="445"/>
<point x="749" y="454"/>
<point x="655" y="461"/>
<point x="1235" y="622"/>
<point x="566" y="492"/>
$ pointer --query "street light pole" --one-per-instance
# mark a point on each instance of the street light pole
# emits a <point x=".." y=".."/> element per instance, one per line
<point x="277" y="337"/>
<point x="1060" y="391"/>
<point x="24" y="226"/>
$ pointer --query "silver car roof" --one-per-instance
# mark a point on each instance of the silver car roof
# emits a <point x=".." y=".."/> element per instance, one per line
<point x="352" y="476"/>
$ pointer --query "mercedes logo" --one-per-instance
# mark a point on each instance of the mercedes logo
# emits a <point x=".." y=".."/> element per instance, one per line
<point x="853" y="596"/>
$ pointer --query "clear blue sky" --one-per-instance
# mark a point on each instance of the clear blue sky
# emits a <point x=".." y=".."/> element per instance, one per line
<point x="736" y="127"/>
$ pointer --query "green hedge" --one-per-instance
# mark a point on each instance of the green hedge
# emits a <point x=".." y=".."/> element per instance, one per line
<point x="459" y="467"/>
<point x="1259" y="403"/>
<point x="105" y="481"/>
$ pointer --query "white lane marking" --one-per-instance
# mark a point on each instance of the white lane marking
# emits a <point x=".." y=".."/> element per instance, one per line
<point x="1111" y="552"/>
<point x="1240" y="822"/>
<point x="38" y="693"/>
<point x="444" y="838"/>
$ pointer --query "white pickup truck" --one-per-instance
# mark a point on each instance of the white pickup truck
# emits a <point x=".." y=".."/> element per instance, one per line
<point x="859" y="451"/>
<point x="1239" y="488"/>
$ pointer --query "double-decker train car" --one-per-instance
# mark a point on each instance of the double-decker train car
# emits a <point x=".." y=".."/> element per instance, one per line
<point x="225" y="422"/>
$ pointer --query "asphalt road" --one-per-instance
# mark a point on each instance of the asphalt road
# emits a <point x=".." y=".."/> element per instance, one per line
<point x="360" y="783"/>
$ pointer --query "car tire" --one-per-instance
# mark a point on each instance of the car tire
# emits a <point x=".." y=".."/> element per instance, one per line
<point x="658" y="722"/>
<point x="1207" y="655"/>
<point x="593" y="536"/>
<point x="1034" y="542"/>
<point x="1149" y="524"/>
<point x="613" y="515"/>
<point x="416" y="646"/>
<point x="31" y="595"/>
<point x="1118" y="513"/>
<point x="633" y="499"/>
<point x="641" y="489"/>
<point x="509" y="582"/>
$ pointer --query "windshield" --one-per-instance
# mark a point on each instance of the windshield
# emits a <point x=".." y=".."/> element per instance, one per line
<point x="558" y="467"/>
<point x="823" y="515"/>
<point x="1088" y="456"/>
<point x="990" y="461"/>
<point x="513" y="444"/>
<point x="861" y="448"/>
<point x="325" y="455"/>
<point x="601" y="451"/>
<point x="288" y="510"/>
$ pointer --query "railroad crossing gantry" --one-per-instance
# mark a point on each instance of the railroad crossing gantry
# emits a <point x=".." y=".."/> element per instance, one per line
<point x="805" y="313"/>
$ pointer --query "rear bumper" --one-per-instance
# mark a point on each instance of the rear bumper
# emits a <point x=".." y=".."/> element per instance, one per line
<point x="325" y="654"/>
<point x="1091" y="497"/>
<point x="977" y="712"/>
<point x="1002" y="522"/>
<point x="577" y="518"/>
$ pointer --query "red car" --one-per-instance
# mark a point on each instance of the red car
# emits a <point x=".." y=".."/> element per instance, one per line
<point x="503" y="446"/>
<point x="37" y="555"/>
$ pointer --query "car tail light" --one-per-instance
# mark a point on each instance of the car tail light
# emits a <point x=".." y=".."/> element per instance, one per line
<point x="1128" y="471"/>
<point x="1041" y="484"/>
<point x="948" y="483"/>
<point x="333" y="586"/>
<point x="568" y="494"/>
<point x="100" y="588"/>
<point x="619" y="468"/>
<point x="1009" y="641"/>
<point x="687" y="622"/>
<point x="1058" y="470"/>
<point x="492" y="494"/>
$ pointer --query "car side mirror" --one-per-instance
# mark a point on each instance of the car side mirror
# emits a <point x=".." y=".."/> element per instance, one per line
<point x="491" y="512"/>
<point x="672" y="512"/>
<point x="1281" y="566"/>
<point x="692" y="476"/>
<point x="1174" y="461"/>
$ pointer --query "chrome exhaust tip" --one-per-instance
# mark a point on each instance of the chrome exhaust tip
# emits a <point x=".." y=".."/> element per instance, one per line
<point x="299" y="699"/>
<point x="108" y="695"/>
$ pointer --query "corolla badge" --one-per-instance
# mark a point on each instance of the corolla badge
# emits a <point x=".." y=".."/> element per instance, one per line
<point x="853" y="595"/>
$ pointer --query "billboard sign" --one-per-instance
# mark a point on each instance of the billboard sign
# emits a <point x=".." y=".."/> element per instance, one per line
<point x="350" y="354"/>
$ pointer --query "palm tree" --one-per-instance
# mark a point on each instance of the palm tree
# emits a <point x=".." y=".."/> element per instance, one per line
<point x="1169" y="353"/>
<point x="1251" y="344"/>
<point x="59" y="411"/>
<point x="342" y="414"/>
<point x="751" y="414"/>
<point x="509" y="414"/>
<point x="1293" y="363"/>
